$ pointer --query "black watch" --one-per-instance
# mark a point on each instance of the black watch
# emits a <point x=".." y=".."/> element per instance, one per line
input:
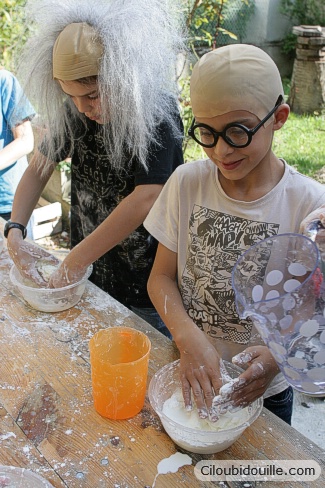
<point x="14" y="225"/>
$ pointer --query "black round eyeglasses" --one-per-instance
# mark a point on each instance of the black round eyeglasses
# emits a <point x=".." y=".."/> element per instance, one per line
<point x="236" y="135"/>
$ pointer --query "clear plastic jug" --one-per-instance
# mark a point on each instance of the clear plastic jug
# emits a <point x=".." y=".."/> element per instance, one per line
<point x="278" y="283"/>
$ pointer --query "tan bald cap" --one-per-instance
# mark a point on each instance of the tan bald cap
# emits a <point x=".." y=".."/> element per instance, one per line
<point x="77" y="52"/>
<point x="235" y="77"/>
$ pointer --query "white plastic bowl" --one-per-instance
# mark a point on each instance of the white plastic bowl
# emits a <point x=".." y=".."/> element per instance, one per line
<point x="163" y="385"/>
<point x="50" y="299"/>
<point x="13" y="477"/>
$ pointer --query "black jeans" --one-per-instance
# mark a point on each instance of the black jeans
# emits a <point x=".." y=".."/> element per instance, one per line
<point x="281" y="404"/>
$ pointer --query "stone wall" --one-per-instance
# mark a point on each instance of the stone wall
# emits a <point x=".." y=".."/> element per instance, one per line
<point x="307" y="93"/>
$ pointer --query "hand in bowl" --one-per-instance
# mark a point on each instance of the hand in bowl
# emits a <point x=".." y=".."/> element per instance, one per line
<point x="200" y="374"/>
<point x="260" y="369"/>
<point x="66" y="275"/>
<point x="26" y="255"/>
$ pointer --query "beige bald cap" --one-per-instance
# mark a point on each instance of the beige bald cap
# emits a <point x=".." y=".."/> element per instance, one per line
<point x="235" y="77"/>
<point x="77" y="52"/>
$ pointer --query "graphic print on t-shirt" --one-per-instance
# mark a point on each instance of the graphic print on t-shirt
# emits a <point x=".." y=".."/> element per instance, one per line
<point x="97" y="188"/>
<point x="216" y="241"/>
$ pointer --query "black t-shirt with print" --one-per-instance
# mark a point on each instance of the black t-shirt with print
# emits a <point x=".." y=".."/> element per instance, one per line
<point x="97" y="188"/>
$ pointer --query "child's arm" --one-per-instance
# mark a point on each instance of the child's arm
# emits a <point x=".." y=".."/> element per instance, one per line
<point x="22" y="144"/>
<point x="199" y="360"/>
<point x="127" y="216"/>
<point x="25" y="254"/>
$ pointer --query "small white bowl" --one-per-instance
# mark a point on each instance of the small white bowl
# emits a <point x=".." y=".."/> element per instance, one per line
<point x="163" y="385"/>
<point x="50" y="299"/>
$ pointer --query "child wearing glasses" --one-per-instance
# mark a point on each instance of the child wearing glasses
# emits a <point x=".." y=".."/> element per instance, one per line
<point x="210" y="212"/>
<point x="108" y="100"/>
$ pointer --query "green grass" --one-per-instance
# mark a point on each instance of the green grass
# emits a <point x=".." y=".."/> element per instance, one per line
<point x="301" y="142"/>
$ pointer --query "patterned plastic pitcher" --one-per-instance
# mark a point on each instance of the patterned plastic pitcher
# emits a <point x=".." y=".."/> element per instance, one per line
<point x="278" y="283"/>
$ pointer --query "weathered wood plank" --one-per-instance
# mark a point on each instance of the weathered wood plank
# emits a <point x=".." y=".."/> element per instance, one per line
<point x="27" y="456"/>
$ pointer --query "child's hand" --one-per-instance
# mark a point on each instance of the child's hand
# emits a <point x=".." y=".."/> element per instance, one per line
<point x="26" y="255"/>
<point x="66" y="275"/>
<point x="200" y="373"/>
<point x="260" y="369"/>
<point x="317" y="215"/>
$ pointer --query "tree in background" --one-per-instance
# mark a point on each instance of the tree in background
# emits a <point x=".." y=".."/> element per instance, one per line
<point x="210" y="23"/>
<point x="213" y="23"/>
<point x="13" y="31"/>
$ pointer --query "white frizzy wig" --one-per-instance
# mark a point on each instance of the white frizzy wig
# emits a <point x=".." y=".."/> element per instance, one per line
<point x="141" y="40"/>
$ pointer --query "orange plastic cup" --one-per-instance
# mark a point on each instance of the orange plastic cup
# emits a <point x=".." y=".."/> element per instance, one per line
<point x="119" y="358"/>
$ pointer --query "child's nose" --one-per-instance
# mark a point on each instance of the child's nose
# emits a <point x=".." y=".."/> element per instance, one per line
<point x="222" y="148"/>
<point x="83" y="105"/>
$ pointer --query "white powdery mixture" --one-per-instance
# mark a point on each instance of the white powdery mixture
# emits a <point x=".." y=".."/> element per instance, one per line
<point x="174" y="409"/>
<point x="45" y="269"/>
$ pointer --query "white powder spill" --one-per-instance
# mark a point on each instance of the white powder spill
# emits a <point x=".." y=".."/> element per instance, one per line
<point x="172" y="464"/>
<point x="102" y="301"/>
<point x="3" y="437"/>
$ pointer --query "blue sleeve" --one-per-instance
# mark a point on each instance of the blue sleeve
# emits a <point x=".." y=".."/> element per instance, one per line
<point x="15" y="106"/>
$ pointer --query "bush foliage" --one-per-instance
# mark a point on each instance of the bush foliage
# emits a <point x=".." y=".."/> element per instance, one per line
<point x="13" y="31"/>
<point x="301" y="12"/>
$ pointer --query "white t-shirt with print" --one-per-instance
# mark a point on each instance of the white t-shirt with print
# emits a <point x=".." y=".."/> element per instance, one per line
<point x="196" y="219"/>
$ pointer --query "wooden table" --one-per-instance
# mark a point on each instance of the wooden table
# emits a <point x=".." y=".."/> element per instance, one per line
<point x="47" y="420"/>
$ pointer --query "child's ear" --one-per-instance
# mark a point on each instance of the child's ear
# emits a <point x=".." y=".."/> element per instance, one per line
<point x="281" y="115"/>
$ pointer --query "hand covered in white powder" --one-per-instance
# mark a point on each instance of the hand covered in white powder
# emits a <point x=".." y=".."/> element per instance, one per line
<point x="26" y="255"/>
<point x="66" y="275"/>
<point x="200" y="374"/>
<point x="260" y="369"/>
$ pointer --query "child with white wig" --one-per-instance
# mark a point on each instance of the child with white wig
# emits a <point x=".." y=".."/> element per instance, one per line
<point x="102" y="76"/>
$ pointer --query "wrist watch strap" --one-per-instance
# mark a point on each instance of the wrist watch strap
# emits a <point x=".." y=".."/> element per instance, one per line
<point x="14" y="225"/>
